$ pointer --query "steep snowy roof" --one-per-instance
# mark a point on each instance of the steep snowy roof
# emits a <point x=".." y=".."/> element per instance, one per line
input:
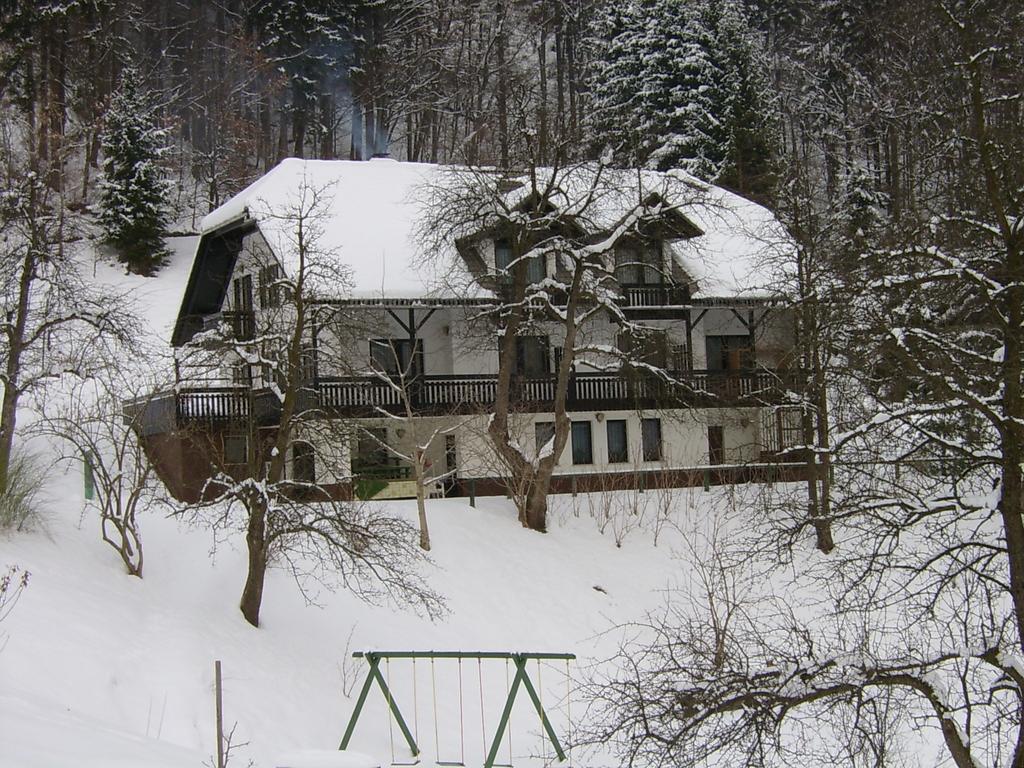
<point x="367" y="217"/>
<point x="370" y="216"/>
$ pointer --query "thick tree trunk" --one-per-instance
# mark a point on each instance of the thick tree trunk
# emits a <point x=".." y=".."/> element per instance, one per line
<point x="822" y="458"/>
<point x="8" y="420"/>
<point x="356" y="152"/>
<point x="535" y="511"/>
<point x="535" y="514"/>
<point x="542" y="110"/>
<point x="326" y="104"/>
<point x="255" y="541"/>
<point x="282" y="132"/>
<point x="300" y="115"/>
<point x="421" y="509"/>
<point x="1011" y="502"/>
<point x="15" y="348"/>
<point x="573" y="84"/>
<point x="560" y="118"/>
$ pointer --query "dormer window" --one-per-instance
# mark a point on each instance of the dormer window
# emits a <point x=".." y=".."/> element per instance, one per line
<point x="535" y="266"/>
<point x="502" y="255"/>
<point x="639" y="264"/>
<point x="270" y="291"/>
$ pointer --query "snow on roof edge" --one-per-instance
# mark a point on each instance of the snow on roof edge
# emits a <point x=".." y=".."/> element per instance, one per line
<point x="372" y="228"/>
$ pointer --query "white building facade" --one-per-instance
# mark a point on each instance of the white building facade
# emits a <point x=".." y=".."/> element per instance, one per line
<point x="684" y="379"/>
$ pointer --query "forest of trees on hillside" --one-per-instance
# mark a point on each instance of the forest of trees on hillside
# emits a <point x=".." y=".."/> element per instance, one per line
<point x="720" y="87"/>
<point x="729" y="89"/>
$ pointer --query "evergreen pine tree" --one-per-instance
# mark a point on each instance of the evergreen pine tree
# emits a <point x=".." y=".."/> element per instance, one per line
<point x="676" y="86"/>
<point x="692" y="136"/>
<point x="133" y="194"/>
<point x="618" y="113"/>
<point x="748" y="164"/>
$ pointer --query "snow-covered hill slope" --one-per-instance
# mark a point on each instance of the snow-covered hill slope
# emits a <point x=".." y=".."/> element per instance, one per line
<point x="101" y="669"/>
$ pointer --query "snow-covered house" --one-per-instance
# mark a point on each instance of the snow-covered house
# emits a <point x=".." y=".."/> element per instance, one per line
<point x="392" y="296"/>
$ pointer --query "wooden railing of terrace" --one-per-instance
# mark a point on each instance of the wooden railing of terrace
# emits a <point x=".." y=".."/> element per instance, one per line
<point x="365" y="396"/>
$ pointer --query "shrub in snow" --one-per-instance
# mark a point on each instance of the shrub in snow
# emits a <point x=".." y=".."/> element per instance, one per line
<point x="134" y="195"/>
<point x="19" y="503"/>
<point x="94" y="422"/>
<point x="12" y="583"/>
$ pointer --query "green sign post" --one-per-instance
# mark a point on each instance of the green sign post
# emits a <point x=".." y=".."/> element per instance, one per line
<point x="88" y="476"/>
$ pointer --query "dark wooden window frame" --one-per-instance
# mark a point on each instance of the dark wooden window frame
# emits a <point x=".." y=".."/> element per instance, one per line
<point x="582" y="452"/>
<point x="621" y="454"/>
<point x="651" y="439"/>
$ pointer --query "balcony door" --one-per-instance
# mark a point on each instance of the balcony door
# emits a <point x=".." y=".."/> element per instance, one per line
<point x="728" y="353"/>
<point x="533" y="357"/>
<point x="398" y="358"/>
<point x="637" y="265"/>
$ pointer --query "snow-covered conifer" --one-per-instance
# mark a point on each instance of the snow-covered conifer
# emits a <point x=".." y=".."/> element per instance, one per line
<point x="133" y="200"/>
<point x="747" y="131"/>
<point x="616" y="83"/>
<point x="676" y="87"/>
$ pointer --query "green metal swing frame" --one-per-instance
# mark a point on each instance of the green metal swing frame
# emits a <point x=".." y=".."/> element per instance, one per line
<point x="522" y="677"/>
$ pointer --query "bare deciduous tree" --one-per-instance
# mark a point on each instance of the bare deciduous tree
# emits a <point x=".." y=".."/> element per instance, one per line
<point x="917" y="616"/>
<point x="288" y="486"/>
<point x="422" y="433"/>
<point x="50" y="317"/>
<point x="97" y="422"/>
<point x="561" y="227"/>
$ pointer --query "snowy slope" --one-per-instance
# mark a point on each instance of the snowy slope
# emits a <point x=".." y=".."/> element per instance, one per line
<point x="94" y="646"/>
<point x="101" y="669"/>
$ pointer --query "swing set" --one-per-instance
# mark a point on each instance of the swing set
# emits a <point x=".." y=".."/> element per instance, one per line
<point x="521" y="678"/>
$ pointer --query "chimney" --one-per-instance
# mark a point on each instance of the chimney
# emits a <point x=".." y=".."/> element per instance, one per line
<point x="357" y="132"/>
<point x="380" y="140"/>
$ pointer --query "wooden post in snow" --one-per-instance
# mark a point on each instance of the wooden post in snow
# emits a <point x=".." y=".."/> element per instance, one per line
<point x="220" y="714"/>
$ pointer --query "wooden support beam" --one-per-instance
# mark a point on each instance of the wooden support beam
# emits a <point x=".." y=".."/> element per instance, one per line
<point x="688" y="320"/>
<point x="752" y="326"/>
<point x="407" y="328"/>
<point x="425" y="318"/>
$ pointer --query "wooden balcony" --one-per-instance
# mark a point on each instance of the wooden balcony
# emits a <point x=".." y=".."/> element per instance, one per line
<point x="241" y="325"/>
<point x="653" y="296"/>
<point x="367" y="396"/>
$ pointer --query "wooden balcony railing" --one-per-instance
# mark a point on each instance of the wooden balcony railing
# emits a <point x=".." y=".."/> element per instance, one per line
<point x="366" y="395"/>
<point x="653" y="295"/>
<point x="212" y="404"/>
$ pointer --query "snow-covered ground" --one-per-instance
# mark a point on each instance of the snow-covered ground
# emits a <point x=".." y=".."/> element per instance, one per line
<point x="100" y="664"/>
<point x="101" y="669"/>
